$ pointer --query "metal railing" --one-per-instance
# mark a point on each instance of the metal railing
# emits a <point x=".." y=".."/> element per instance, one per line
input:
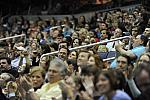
<point x="89" y="45"/>
<point x="11" y="37"/>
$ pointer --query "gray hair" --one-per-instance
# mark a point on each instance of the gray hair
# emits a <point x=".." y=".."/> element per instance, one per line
<point x="60" y="65"/>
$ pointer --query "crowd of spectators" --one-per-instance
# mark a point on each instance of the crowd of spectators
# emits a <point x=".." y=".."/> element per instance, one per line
<point x="80" y="74"/>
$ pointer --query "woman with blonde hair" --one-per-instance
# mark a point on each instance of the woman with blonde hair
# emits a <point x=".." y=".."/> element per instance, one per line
<point x="37" y="75"/>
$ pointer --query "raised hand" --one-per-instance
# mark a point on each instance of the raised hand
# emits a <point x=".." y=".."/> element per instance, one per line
<point x="26" y="83"/>
<point x="88" y="84"/>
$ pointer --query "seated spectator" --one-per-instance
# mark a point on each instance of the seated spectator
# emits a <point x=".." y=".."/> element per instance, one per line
<point x="37" y="75"/>
<point x="50" y="90"/>
<point x="5" y="67"/>
<point x="106" y="84"/>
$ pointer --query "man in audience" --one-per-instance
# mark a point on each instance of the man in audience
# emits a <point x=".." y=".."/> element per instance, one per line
<point x="5" y="66"/>
<point x="50" y="90"/>
<point x="138" y="48"/>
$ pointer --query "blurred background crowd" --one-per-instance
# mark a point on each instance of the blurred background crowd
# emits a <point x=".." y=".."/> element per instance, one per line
<point x="117" y="70"/>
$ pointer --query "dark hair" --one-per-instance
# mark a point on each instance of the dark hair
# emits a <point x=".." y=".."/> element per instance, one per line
<point x="68" y="40"/>
<point x="68" y="51"/>
<point x="133" y="16"/>
<point x="108" y="33"/>
<point x="45" y="48"/>
<point x="110" y="74"/>
<point x="127" y="57"/>
<point x="74" y="63"/>
<point x="140" y="67"/>
<point x="144" y="39"/>
<point x="3" y="44"/>
<point x="60" y="35"/>
<point x="120" y="79"/>
<point x="89" y="70"/>
<point x="75" y="39"/>
<point x="98" y="61"/>
<point x="104" y="23"/>
<point x="75" y="52"/>
<point x="54" y="45"/>
<point x="8" y="59"/>
<point x="65" y="42"/>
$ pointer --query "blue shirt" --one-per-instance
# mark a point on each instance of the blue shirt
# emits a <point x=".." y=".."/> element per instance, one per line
<point x="138" y="51"/>
<point x="120" y="95"/>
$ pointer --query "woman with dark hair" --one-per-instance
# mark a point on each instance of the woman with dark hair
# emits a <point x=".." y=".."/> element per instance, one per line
<point x="76" y="42"/>
<point x="144" y="58"/>
<point x="73" y="55"/>
<point x="107" y="87"/>
<point x="142" y="79"/>
<point x="96" y="61"/>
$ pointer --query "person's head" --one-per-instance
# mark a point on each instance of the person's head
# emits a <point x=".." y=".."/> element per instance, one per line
<point x="11" y="87"/>
<point x="63" y="53"/>
<point x="74" y="35"/>
<point x="68" y="39"/>
<point x="82" y="19"/>
<point x="72" y="66"/>
<point x="76" y="42"/>
<point x="34" y="53"/>
<point x="106" y="82"/>
<point x="144" y="58"/>
<point x="91" y="34"/>
<point x="83" y="57"/>
<point x="92" y="40"/>
<point x="73" y="55"/>
<point x="44" y="62"/>
<point x="118" y="32"/>
<point x="59" y="38"/>
<point x="57" y="70"/>
<point x="134" y="31"/>
<point x="4" y="78"/>
<point x="63" y="44"/>
<point x="140" y="40"/>
<point x="123" y="62"/>
<point x="104" y="34"/>
<point x="34" y="45"/>
<point x="147" y="31"/>
<point x="89" y="71"/>
<point x="131" y="17"/>
<point x="136" y="13"/>
<point x="87" y="26"/>
<point x="142" y="76"/>
<point x="5" y="63"/>
<point x="37" y="75"/>
<point x="95" y="61"/>
<point x="55" y="34"/>
<point x="125" y="15"/>
<point x="102" y="26"/>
